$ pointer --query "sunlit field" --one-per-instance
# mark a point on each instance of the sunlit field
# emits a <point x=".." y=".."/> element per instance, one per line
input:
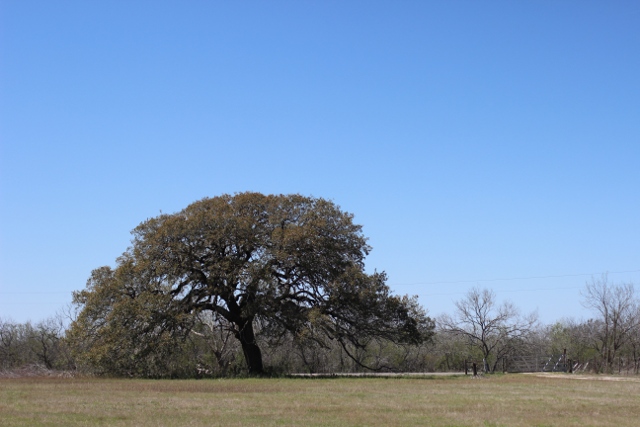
<point x="502" y="400"/>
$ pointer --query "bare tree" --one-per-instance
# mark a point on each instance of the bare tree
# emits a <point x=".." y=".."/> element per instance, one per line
<point x="495" y="330"/>
<point x="619" y="317"/>
<point x="633" y="352"/>
<point x="24" y="344"/>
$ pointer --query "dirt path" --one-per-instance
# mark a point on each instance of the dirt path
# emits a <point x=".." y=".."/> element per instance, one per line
<point x="381" y="374"/>
<point x="584" y="377"/>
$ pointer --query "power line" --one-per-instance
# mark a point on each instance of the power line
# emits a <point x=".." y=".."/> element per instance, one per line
<point x="503" y="291"/>
<point x="35" y="292"/>
<point x="453" y="282"/>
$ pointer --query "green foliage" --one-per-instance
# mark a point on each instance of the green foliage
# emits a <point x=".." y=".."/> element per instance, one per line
<point x="122" y="331"/>
<point x="249" y="263"/>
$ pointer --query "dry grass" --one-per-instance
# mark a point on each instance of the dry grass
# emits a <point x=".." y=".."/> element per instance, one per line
<point x="509" y="400"/>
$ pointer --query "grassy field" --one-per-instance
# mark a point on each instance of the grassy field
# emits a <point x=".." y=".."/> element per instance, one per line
<point x="503" y="400"/>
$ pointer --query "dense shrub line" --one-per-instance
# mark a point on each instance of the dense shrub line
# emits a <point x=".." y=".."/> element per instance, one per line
<point x="42" y="345"/>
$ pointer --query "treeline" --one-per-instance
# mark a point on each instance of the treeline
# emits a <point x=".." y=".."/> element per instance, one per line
<point x="254" y="284"/>
<point x="480" y="330"/>
<point x="41" y="344"/>
<point x="209" y="350"/>
<point x="497" y="335"/>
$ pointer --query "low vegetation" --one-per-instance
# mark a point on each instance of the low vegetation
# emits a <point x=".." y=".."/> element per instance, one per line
<point x="497" y="400"/>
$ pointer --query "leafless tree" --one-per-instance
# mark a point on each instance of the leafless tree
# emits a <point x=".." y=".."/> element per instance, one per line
<point x="633" y="352"/>
<point x="23" y="344"/>
<point x="494" y="329"/>
<point x="619" y="317"/>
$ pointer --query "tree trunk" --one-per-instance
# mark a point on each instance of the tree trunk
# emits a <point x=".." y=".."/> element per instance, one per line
<point x="252" y="353"/>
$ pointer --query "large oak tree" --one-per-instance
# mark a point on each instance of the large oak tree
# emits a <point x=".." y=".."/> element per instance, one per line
<point x="286" y="262"/>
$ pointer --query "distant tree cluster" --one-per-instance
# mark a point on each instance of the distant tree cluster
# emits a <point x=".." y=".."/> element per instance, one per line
<point x="255" y="284"/>
<point x="609" y="342"/>
<point x="41" y="344"/>
<point x="494" y="334"/>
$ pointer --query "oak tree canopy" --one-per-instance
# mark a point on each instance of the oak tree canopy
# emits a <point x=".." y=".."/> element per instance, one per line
<point x="276" y="263"/>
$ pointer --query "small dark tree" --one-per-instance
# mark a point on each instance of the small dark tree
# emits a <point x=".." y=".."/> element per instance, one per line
<point x="290" y="263"/>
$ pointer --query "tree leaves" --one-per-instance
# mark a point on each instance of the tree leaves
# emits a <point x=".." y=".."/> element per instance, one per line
<point x="295" y="263"/>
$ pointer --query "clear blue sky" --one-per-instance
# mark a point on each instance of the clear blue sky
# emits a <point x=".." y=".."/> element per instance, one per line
<point x="474" y="141"/>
